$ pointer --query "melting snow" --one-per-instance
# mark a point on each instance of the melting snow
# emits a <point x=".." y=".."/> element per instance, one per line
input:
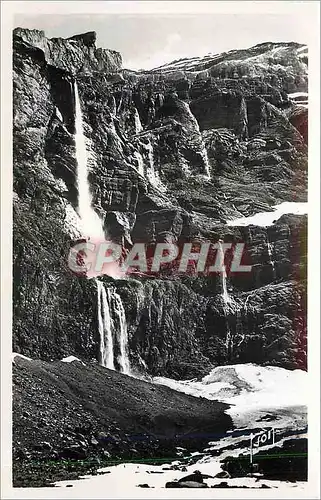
<point x="252" y="391"/>
<point x="122" y="481"/>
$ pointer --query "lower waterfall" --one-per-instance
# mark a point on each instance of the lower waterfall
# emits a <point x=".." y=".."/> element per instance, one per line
<point x="105" y="327"/>
<point x="122" y="335"/>
<point x="112" y="328"/>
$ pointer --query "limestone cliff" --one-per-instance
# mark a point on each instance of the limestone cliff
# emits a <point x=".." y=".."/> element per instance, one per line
<point x="174" y="153"/>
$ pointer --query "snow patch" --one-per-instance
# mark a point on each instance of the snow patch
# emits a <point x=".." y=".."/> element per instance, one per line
<point x="268" y="218"/>
<point x="298" y="94"/>
<point x="302" y="49"/>
<point x="244" y="385"/>
<point x="252" y="390"/>
<point x="70" y="359"/>
<point x="123" y="480"/>
<point x="17" y="355"/>
<point x="58" y="114"/>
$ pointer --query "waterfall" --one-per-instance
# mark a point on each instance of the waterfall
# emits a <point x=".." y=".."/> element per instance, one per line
<point x="140" y="163"/>
<point x="225" y="294"/>
<point x="90" y="221"/>
<point x="138" y="124"/>
<point x="122" y="359"/>
<point x="105" y="325"/>
<point x="269" y="249"/>
<point x="112" y="329"/>
<point x="203" y="151"/>
<point x="240" y="335"/>
<point x="152" y="174"/>
<point x="109" y="303"/>
<point x="228" y="303"/>
<point x="206" y="161"/>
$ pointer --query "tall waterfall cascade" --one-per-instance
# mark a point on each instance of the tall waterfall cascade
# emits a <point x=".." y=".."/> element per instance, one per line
<point x="105" y="327"/>
<point x="112" y="330"/>
<point x="90" y="221"/>
<point x="138" y="124"/>
<point x="111" y="315"/>
<point x="122" y="334"/>
<point x="204" y="154"/>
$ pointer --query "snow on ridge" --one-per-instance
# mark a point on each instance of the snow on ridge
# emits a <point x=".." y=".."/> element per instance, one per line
<point x="240" y="56"/>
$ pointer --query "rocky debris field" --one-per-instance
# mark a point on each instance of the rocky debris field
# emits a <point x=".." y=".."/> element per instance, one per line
<point x="73" y="419"/>
<point x="69" y="418"/>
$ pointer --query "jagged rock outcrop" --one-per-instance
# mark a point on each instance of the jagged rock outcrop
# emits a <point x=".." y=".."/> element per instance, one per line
<point x="173" y="154"/>
<point x="77" y="54"/>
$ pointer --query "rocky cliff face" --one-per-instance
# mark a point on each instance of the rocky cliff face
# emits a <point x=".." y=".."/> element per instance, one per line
<point x="174" y="153"/>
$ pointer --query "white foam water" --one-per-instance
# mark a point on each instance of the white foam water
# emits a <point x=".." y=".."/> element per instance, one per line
<point x="151" y="173"/>
<point x="90" y="221"/>
<point x="105" y="327"/>
<point x="112" y="327"/>
<point x="123" y="359"/>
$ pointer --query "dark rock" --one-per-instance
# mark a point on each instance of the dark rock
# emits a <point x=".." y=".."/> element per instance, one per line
<point x="185" y="484"/>
<point x="223" y="474"/>
<point x="73" y="452"/>
<point x="46" y="446"/>
<point x="221" y="485"/>
<point x="196" y="477"/>
<point x="88" y="39"/>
